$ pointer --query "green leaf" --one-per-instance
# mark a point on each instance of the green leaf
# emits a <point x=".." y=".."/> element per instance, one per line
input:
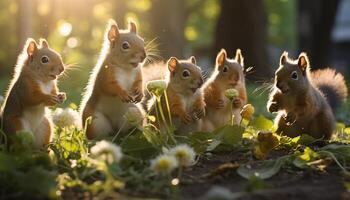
<point x="261" y="123"/>
<point x="226" y="138"/>
<point x="303" y="159"/>
<point x="306" y="139"/>
<point x="264" y="170"/>
<point x="7" y="162"/>
<point x="200" y="141"/>
<point x="138" y="146"/>
<point x="341" y="151"/>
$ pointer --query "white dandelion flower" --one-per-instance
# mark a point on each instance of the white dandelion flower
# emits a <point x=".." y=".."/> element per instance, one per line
<point x="106" y="151"/>
<point x="164" y="164"/>
<point x="184" y="154"/>
<point x="66" y="117"/>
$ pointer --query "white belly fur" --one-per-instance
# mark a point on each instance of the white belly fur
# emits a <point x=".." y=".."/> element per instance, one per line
<point x="126" y="78"/>
<point x="33" y="117"/>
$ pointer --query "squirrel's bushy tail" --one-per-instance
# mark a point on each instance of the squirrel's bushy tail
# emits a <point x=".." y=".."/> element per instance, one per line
<point x="332" y="85"/>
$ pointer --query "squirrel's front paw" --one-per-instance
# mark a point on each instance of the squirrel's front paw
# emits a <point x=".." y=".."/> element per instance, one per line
<point x="125" y="97"/>
<point x="237" y="103"/>
<point x="62" y="97"/>
<point x="273" y="107"/>
<point x="186" y="119"/>
<point x="138" y="96"/>
<point x="53" y="100"/>
<point x="199" y="113"/>
<point x="220" y="104"/>
<point x="290" y="118"/>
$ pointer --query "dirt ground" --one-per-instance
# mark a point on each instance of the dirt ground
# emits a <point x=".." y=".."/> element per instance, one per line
<point x="289" y="183"/>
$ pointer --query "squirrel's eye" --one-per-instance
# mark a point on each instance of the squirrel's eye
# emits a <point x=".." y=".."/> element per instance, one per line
<point x="125" y="46"/>
<point x="225" y="69"/>
<point x="185" y="73"/>
<point x="44" y="59"/>
<point x="294" y="75"/>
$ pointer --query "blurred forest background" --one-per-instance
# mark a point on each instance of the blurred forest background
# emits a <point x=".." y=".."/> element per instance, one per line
<point x="261" y="28"/>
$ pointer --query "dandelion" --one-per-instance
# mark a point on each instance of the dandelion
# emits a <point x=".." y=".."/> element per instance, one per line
<point x="231" y="93"/>
<point x="164" y="164"/>
<point x="156" y="87"/>
<point x="66" y="118"/>
<point x="106" y="151"/>
<point x="247" y="112"/>
<point x="184" y="154"/>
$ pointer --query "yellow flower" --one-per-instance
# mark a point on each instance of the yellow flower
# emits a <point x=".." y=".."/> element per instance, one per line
<point x="266" y="142"/>
<point x="247" y="111"/>
<point x="156" y="87"/>
<point x="164" y="164"/>
<point x="231" y="93"/>
<point x="184" y="154"/>
<point x="106" y="151"/>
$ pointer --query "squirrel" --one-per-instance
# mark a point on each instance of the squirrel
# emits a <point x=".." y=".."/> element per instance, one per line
<point x="303" y="99"/>
<point x="115" y="84"/>
<point x="228" y="73"/>
<point x="185" y="98"/>
<point x="33" y="88"/>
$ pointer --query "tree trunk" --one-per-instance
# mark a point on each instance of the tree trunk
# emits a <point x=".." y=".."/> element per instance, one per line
<point x="25" y="11"/>
<point x="168" y="20"/>
<point x="316" y="20"/>
<point x="242" y="24"/>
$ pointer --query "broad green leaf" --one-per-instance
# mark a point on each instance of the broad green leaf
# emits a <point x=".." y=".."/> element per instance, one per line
<point x="306" y="139"/>
<point x="200" y="141"/>
<point x="7" y="162"/>
<point x="303" y="159"/>
<point x="264" y="170"/>
<point x="138" y="146"/>
<point x="261" y="123"/>
<point x="226" y="138"/>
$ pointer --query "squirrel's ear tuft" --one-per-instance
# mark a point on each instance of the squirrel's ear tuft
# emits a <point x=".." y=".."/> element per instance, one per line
<point x="239" y="58"/>
<point x="172" y="64"/>
<point x="303" y="62"/>
<point x="221" y="57"/>
<point x="193" y="60"/>
<point x="284" y="58"/>
<point x="43" y="43"/>
<point x="132" y="27"/>
<point x="32" y="47"/>
<point x="113" y="30"/>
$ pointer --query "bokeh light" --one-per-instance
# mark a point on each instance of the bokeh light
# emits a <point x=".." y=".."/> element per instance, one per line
<point x="72" y="42"/>
<point x="65" y="29"/>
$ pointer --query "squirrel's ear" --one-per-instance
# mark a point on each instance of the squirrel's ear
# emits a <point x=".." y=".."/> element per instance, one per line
<point x="239" y="58"/>
<point x="44" y="43"/>
<point x="284" y="58"/>
<point x="193" y="60"/>
<point x="172" y="64"/>
<point x="32" y="48"/>
<point x="113" y="31"/>
<point x="303" y="62"/>
<point x="221" y="57"/>
<point x="132" y="27"/>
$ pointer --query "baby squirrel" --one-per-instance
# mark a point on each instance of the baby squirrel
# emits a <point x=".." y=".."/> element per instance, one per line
<point x="302" y="98"/>
<point x="31" y="90"/>
<point x="184" y="95"/>
<point x="115" y="84"/>
<point x="228" y="73"/>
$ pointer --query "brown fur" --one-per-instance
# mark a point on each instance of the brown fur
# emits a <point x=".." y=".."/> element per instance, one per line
<point x="301" y="106"/>
<point x="115" y="84"/>
<point x="227" y="74"/>
<point x="185" y="98"/>
<point x="25" y="102"/>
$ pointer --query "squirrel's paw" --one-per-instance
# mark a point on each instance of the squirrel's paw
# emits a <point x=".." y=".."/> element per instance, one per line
<point x="273" y="107"/>
<point x="125" y="97"/>
<point x="53" y="100"/>
<point x="220" y="104"/>
<point x="186" y="119"/>
<point x="138" y="96"/>
<point x="237" y="103"/>
<point x="290" y="118"/>
<point x="199" y="113"/>
<point x="62" y="97"/>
